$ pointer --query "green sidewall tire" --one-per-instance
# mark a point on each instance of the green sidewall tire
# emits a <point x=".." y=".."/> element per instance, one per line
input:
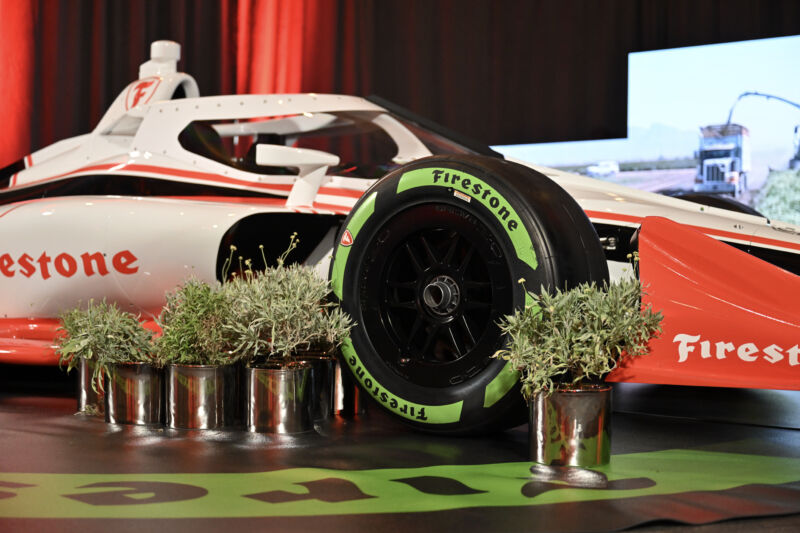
<point x="523" y="226"/>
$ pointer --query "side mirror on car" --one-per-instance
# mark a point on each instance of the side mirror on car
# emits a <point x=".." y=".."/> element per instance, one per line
<point x="311" y="165"/>
<point x="304" y="159"/>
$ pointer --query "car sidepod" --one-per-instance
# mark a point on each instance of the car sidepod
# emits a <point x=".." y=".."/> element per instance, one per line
<point x="730" y="319"/>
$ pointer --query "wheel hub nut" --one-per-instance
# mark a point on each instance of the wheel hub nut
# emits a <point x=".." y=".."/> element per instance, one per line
<point x="442" y="295"/>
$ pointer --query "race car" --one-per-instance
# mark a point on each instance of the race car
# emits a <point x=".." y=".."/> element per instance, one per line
<point x="423" y="235"/>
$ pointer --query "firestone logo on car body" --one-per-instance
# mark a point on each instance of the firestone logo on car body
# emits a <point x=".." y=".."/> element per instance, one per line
<point x="141" y="91"/>
<point x="66" y="265"/>
<point x="748" y="352"/>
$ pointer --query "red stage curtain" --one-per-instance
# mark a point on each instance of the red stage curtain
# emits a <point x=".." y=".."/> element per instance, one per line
<point x="286" y="46"/>
<point x="16" y="77"/>
<point x="269" y="46"/>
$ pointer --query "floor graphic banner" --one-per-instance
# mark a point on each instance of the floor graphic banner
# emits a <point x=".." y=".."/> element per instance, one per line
<point x="306" y="492"/>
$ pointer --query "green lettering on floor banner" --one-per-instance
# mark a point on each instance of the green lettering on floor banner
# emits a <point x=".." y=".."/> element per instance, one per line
<point x="288" y="492"/>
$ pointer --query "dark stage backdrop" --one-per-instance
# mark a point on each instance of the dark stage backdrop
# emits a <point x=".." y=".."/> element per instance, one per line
<point x="501" y="71"/>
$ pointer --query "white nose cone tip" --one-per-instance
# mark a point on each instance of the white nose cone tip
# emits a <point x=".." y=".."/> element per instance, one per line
<point x="164" y="56"/>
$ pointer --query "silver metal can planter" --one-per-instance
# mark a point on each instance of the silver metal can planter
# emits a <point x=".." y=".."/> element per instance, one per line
<point x="134" y="394"/>
<point x="201" y="396"/>
<point x="279" y="398"/>
<point x="571" y="427"/>
<point x="349" y="400"/>
<point x="89" y="399"/>
<point x="323" y="375"/>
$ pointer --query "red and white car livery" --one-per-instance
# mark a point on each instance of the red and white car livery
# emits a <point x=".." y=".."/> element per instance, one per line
<point x="423" y="235"/>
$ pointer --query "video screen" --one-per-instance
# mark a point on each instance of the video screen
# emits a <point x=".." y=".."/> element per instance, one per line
<point x="719" y="119"/>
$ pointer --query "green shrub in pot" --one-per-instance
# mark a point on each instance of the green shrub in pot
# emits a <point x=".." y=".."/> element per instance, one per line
<point x="571" y="338"/>
<point x="283" y="311"/>
<point x="193" y="324"/>
<point x="564" y="343"/>
<point x="103" y="335"/>
<point x="288" y="330"/>
<point x="203" y="390"/>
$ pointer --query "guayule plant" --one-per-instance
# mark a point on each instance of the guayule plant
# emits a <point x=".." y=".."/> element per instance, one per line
<point x="778" y="197"/>
<point x="104" y="334"/>
<point x="193" y="323"/>
<point x="283" y="310"/>
<point x="573" y="337"/>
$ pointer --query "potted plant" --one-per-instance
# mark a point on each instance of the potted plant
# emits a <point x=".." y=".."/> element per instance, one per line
<point x="564" y="343"/>
<point x="113" y="344"/>
<point x="197" y="351"/>
<point x="74" y="351"/>
<point x="288" y="330"/>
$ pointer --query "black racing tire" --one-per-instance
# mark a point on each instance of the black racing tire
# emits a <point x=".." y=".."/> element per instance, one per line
<point x="429" y="261"/>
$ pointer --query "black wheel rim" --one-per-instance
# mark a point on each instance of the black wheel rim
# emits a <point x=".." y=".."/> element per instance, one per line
<point x="436" y="281"/>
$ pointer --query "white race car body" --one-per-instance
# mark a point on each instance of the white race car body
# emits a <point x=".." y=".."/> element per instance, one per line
<point x="79" y="220"/>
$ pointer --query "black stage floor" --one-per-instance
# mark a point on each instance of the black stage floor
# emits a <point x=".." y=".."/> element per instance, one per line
<point x="683" y="459"/>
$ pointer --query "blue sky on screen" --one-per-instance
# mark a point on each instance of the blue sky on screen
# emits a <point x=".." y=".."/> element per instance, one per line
<point x="671" y="93"/>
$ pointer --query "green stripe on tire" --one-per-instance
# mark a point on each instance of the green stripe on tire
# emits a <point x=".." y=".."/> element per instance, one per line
<point x="500" y="385"/>
<point x="364" y="211"/>
<point x="429" y="414"/>
<point x="468" y="187"/>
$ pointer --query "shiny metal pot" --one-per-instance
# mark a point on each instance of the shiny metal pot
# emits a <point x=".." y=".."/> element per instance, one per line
<point x="323" y="375"/>
<point x="571" y="427"/>
<point x="88" y="398"/>
<point x="134" y="394"/>
<point x="279" y="398"/>
<point x="201" y="396"/>
<point x="349" y="399"/>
